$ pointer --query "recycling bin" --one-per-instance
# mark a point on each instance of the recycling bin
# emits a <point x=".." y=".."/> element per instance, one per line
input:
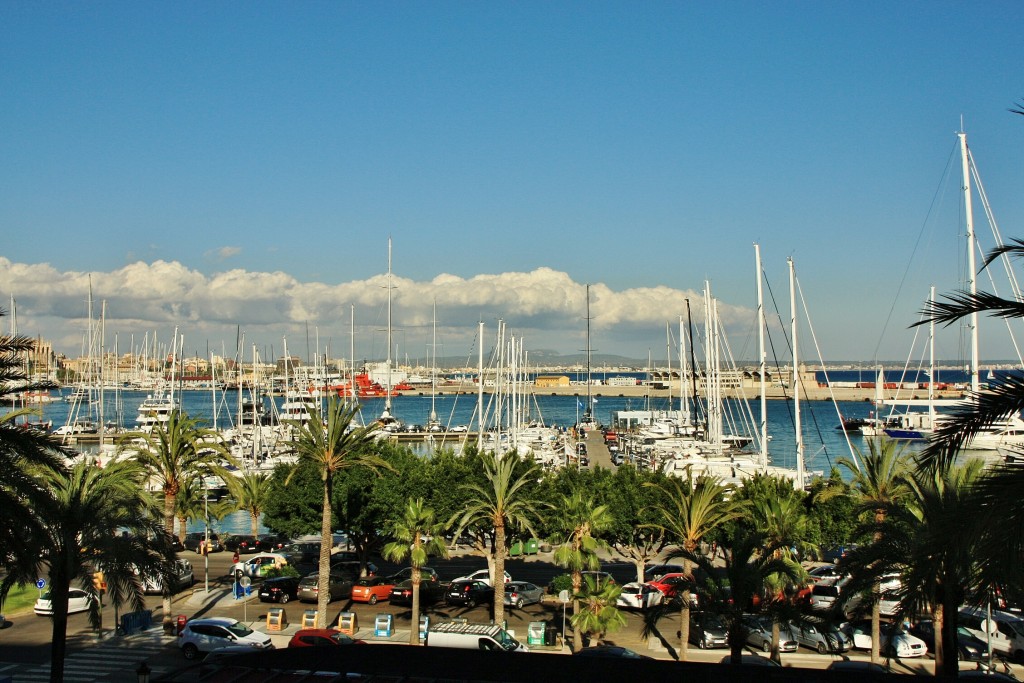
<point x="535" y="633"/>
<point x="532" y="546"/>
<point x="347" y="623"/>
<point x="516" y="549"/>
<point x="310" y="619"/>
<point x="383" y="626"/>
<point x="424" y="625"/>
<point x="276" y="619"/>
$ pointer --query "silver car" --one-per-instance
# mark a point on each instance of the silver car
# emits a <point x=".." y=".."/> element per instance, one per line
<point x="824" y="639"/>
<point x="759" y="634"/>
<point x="519" y="593"/>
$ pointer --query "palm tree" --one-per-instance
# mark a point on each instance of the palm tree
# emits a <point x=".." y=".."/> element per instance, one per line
<point x="417" y="536"/>
<point x="190" y="504"/>
<point x="86" y="505"/>
<point x="251" y="492"/>
<point x="877" y="487"/>
<point x="579" y="517"/>
<point x="502" y="502"/>
<point x="333" y="447"/>
<point x="598" y="611"/>
<point x="693" y="508"/>
<point x="21" y="449"/>
<point x="174" y="454"/>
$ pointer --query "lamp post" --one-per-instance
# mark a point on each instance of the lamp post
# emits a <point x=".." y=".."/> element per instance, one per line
<point x="206" y="540"/>
<point x="143" y="672"/>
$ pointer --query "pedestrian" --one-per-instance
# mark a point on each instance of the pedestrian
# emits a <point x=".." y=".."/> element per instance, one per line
<point x="234" y="558"/>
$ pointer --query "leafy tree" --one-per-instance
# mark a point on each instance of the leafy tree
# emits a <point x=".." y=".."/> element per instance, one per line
<point x="85" y="506"/>
<point x="877" y="487"/>
<point x="632" y="498"/>
<point x="251" y="492"/>
<point x="692" y="508"/>
<point x="333" y="447"/>
<point x="21" y="449"/>
<point x="417" y="536"/>
<point x="579" y="519"/>
<point x="174" y="453"/>
<point x="598" y="612"/>
<point x="502" y="503"/>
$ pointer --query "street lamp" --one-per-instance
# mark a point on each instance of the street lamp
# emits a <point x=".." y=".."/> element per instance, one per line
<point x="143" y="672"/>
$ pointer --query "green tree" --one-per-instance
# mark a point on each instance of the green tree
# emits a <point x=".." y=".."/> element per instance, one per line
<point x="417" y="536"/>
<point x="598" y="612"/>
<point x="21" y="450"/>
<point x="502" y="503"/>
<point x="86" y="505"/>
<point x="174" y="453"/>
<point x="631" y="498"/>
<point x="877" y="487"/>
<point x="579" y="518"/>
<point x="693" y="508"/>
<point x="250" y="492"/>
<point x="331" y="448"/>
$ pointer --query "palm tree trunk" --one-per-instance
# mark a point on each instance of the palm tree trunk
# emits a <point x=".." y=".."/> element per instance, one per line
<point x="577" y="635"/>
<point x="169" y="498"/>
<point x="775" y="657"/>
<point x="254" y="521"/>
<point x="414" y="631"/>
<point x="59" y="633"/>
<point x="939" y="636"/>
<point x="326" y="540"/>
<point x="499" y="574"/>
<point x="876" y="624"/>
<point x="684" y="616"/>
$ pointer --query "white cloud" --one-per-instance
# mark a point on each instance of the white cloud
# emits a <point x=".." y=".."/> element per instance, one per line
<point x="544" y="306"/>
<point x="223" y="253"/>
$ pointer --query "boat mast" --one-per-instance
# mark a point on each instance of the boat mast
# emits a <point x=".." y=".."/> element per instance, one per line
<point x="972" y="284"/>
<point x="684" y="408"/>
<point x="796" y="380"/>
<point x="386" y="415"/>
<point x="931" y="360"/>
<point x="761" y="359"/>
<point x="668" y="354"/>
<point x="433" y="368"/>
<point x="587" y="414"/>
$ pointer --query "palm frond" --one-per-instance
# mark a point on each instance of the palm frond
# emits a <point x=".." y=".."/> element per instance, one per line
<point x="961" y="304"/>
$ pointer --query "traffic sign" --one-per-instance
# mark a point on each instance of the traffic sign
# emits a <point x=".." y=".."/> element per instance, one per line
<point x="563" y="596"/>
<point x="40" y="584"/>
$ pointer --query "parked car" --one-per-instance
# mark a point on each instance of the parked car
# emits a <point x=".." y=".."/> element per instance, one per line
<point x="339" y="586"/>
<point x="824" y="571"/>
<point x="609" y="651"/>
<point x="481" y="575"/>
<point x="430" y="592"/>
<point x="321" y="637"/>
<point x="759" y="634"/>
<point x="302" y="554"/>
<point x="600" y="579"/>
<point x="971" y="647"/>
<point x="194" y="542"/>
<point x="826" y="593"/>
<point x="656" y="571"/>
<point x="749" y="660"/>
<point x="519" y="593"/>
<point x="426" y="574"/>
<point x="371" y="589"/>
<point x="242" y="543"/>
<point x="259" y="564"/>
<point x="670" y="584"/>
<point x="272" y="543"/>
<point x="78" y="601"/>
<point x="207" y="635"/>
<point x="184" y="577"/>
<point x="469" y="593"/>
<point x="281" y="589"/>
<point x="707" y="630"/>
<point x="895" y="641"/>
<point x="1005" y="630"/>
<point x="821" y="638"/>
<point x="636" y="595"/>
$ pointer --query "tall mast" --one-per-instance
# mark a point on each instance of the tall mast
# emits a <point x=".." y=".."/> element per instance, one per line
<point x="931" y="360"/>
<point x="433" y="368"/>
<point x="761" y="359"/>
<point x="796" y="380"/>
<point x="972" y="271"/>
<point x="587" y="414"/>
<point x="387" y="395"/>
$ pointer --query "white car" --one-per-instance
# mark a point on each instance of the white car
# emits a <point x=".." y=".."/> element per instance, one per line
<point x="482" y="575"/>
<point x="215" y="633"/>
<point x="78" y="601"/>
<point x="637" y="595"/>
<point x="258" y="564"/>
<point x="895" y="642"/>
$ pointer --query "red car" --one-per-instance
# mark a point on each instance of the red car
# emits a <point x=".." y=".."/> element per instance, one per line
<point x="371" y="589"/>
<point x="321" y="637"/>
<point x="669" y="584"/>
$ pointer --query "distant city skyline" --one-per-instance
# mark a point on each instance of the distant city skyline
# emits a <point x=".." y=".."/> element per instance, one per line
<point x="238" y="170"/>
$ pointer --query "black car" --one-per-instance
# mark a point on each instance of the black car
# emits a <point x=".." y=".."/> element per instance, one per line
<point x="305" y="554"/>
<point x="426" y="574"/>
<point x="469" y="593"/>
<point x="194" y="542"/>
<point x="971" y="647"/>
<point x="430" y="592"/>
<point x="281" y="589"/>
<point x="242" y="543"/>
<point x="272" y="543"/>
<point x="609" y="651"/>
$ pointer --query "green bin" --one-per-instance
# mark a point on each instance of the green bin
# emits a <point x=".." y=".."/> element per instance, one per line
<point x="535" y="633"/>
<point x="516" y="549"/>
<point x="531" y="546"/>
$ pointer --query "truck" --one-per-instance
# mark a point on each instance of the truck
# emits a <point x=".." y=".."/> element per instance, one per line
<point x="472" y="636"/>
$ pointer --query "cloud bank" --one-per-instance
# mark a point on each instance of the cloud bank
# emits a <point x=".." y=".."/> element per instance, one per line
<point x="544" y="306"/>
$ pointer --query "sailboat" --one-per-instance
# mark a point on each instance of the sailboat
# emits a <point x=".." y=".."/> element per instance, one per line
<point x="387" y="421"/>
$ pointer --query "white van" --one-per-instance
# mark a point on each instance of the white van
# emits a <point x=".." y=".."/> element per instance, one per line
<point x="472" y="637"/>
<point x="1005" y="631"/>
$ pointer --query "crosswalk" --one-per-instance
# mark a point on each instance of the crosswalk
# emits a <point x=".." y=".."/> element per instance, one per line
<point x="108" y="661"/>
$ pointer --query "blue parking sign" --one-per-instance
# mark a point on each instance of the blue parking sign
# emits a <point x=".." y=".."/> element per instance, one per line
<point x="40" y="584"/>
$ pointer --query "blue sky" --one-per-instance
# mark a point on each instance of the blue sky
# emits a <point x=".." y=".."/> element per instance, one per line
<point x="216" y="164"/>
